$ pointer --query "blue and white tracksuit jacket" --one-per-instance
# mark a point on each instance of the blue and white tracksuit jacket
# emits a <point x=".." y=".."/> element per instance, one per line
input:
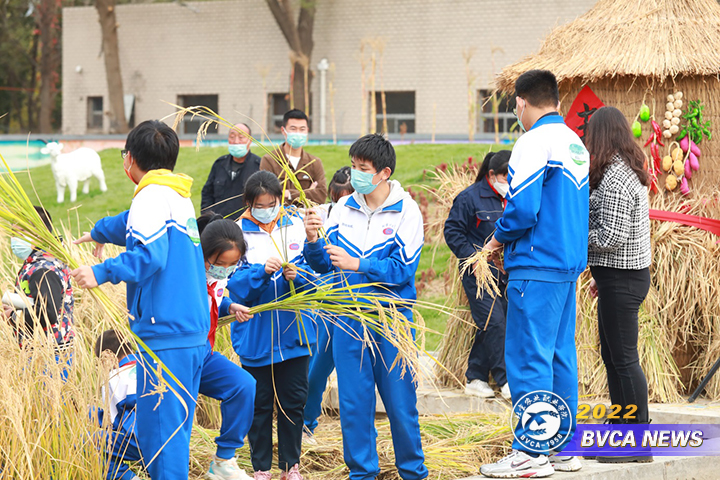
<point x="164" y="270"/>
<point x="545" y="230"/>
<point x="162" y="266"/>
<point x="121" y="396"/>
<point x="388" y="243"/>
<point x="271" y="337"/>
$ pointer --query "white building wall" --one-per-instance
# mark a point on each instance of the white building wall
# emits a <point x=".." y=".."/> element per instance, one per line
<point x="220" y="47"/>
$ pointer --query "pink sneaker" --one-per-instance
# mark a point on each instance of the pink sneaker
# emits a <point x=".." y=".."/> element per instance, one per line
<point x="292" y="474"/>
<point x="260" y="475"/>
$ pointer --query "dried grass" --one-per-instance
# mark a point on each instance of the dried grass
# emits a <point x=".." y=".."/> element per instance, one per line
<point x="656" y="38"/>
<point x="454" y="447"/>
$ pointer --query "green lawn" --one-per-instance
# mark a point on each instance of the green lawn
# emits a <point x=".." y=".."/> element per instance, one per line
<point x="412" y="160"/>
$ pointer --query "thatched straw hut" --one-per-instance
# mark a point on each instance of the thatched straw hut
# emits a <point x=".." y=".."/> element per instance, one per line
<point x="630" y="50"/>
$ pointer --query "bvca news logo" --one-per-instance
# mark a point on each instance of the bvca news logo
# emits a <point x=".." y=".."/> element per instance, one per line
<point x="543" y="421"/>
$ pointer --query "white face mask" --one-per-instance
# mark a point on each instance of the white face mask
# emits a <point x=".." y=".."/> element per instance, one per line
<point x="501" y="188"/>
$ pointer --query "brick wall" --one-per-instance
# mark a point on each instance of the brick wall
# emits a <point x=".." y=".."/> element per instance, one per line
<point x="168" y="50"/>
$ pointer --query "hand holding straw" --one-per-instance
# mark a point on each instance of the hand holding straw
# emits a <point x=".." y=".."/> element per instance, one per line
<point x="479" y="265"/>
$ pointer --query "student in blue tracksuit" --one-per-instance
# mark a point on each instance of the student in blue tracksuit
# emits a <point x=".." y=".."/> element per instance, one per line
<point x="164" y="270"/>
<point x="375" y="235"/>
<point x="545" y="233"/>
<point x="321" y="363"/>
<point x="470" y="224"/>
<point x="223" y="246"/>
<point x="273" y="347"/>
<point x="121" y="443"/>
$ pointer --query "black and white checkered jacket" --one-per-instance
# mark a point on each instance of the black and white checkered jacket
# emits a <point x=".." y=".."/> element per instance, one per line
<point x="619" y="220"/>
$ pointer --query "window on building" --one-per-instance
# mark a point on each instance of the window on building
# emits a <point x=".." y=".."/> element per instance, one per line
<point x="192" y="126"/>
<point x="278" y="105"/>
<point x="486" y="117"/>
<point x="94" y="113"/>
<point x="400" y="112"/>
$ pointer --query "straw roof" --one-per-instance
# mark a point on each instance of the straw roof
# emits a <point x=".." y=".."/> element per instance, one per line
<point x="653" y="38"/>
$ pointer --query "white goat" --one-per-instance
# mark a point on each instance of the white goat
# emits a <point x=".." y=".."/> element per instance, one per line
<point x="71" y="168"/>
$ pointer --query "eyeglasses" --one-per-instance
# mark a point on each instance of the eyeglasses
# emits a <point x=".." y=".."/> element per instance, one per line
<point x="124" y="153"/>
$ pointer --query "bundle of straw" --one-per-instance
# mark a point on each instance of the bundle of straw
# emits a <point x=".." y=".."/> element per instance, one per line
<point x="455" y="345"/>
<point x="479" y="265"/>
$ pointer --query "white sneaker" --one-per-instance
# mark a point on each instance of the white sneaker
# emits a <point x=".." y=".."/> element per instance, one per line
<point x="226" y="470"/>
<point x="519" y="465"/>
<point x="505" y="392"/>
<point x="563" y="463"/>
<point x="479" y="389"/>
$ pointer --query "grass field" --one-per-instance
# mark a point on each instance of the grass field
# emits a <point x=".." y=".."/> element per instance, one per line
<point x="412" y="162"/>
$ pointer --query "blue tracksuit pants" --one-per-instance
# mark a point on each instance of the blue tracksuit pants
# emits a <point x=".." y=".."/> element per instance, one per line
<point x="163" y="423"/>
<point x="321" y="366"/>
<point x="540" y="343"/>
<point x="235" y="388"/>
<point x="359" y="370"/>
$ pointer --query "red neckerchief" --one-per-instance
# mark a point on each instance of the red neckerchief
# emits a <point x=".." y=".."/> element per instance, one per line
<point x="214" y="313"/>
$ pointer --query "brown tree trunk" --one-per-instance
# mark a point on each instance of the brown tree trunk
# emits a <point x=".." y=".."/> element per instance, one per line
<point x="299" y="39"/>
<point x="299" y="87"/>
<point x="32" y="111"/>
<point x="48" y="25"/>
<point x="111" y="52"/>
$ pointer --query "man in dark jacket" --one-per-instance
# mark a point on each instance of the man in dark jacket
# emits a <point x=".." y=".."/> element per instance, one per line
<point x="223" y="191"/>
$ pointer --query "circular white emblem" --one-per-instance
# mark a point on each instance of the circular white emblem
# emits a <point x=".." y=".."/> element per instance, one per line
<point x="541" y="421"/>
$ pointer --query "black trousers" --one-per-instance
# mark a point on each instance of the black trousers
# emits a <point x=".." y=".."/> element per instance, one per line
<point x="488" y="351"/>
<point x="284" y="384"/>
<point x="620" y="294"/>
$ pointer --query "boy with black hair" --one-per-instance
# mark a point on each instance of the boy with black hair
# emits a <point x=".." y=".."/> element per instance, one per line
<point x="381" y="228"/>
<point x="307" y="168"/>
<point x="545" y="232"/>
<point x="45" y="281"/>
<point x="121" y="396"/>
<point x="164" y="269"/>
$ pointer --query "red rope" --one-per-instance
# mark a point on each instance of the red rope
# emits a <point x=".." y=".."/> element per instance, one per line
<point x="704" y="223"/>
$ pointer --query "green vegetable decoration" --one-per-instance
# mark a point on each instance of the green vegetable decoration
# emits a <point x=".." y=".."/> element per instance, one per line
<point x="637" y="129"/>
<point x="695" y="128"/>
<point x="644" y="114"/>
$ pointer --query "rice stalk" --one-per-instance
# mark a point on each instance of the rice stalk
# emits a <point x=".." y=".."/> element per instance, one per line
<point x="478" y="265"/>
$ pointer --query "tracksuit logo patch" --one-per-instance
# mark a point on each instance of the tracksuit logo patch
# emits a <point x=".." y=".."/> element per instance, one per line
<point x="579" y="154"/>
<point x="192" y="231"/>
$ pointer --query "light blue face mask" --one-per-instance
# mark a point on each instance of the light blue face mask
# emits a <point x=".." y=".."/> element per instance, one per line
<point x="520" y="124"/>
<point x="296" y="140"/>
<point x="238" y="150"/>
<point x="21" y="248"/>
<point x="217" y="272"/>
<point x="362" y="182"/>
<point x="265" y="215"/>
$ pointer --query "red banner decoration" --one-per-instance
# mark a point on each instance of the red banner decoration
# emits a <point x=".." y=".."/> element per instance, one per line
<point x="704" y="223"/>
<point x="585" y="104"/>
